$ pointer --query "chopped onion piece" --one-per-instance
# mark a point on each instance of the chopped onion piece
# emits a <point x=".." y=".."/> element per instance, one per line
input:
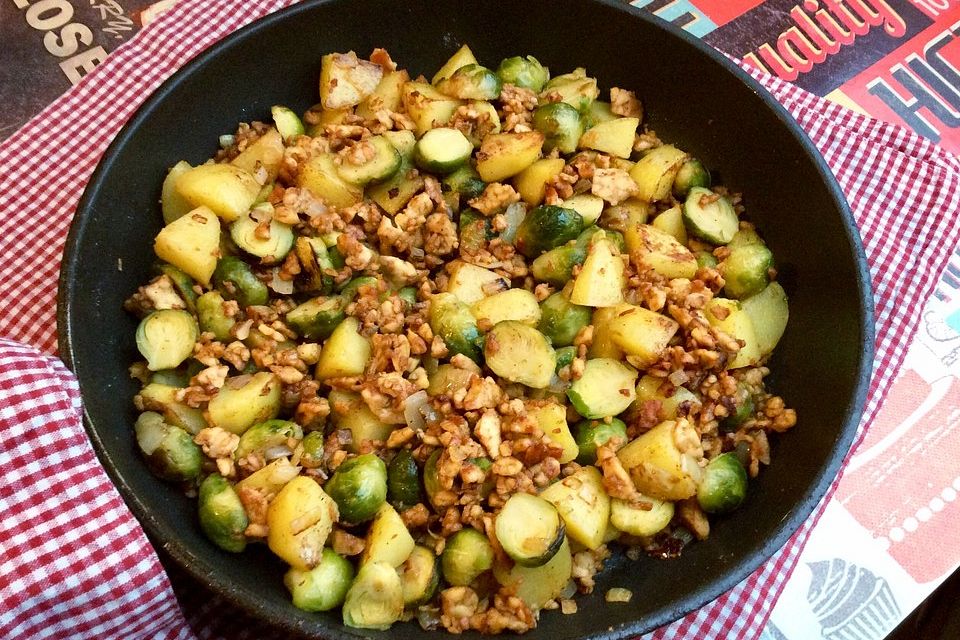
<point x="429" y="413"/>
<point x="428" y="617"/>
<point x="276" y="451"/>
<point x="411" y="410"/>
<point x="278" y="284"/>
<point x="557" y="385"/>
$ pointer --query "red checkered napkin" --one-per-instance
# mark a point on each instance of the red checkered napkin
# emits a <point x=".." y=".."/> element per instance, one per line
<point x="74" y="562"/>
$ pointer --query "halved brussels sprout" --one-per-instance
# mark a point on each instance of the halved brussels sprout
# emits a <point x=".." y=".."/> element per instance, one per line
<point x="171" y="378"/>
<point x="222" y="516"/>
<point x="448" y="378"/>
<point x="182" y="283"/>
<point x="359" y="487"/>
<point x="768" y="311"/>
<point x="431" y="478"/>
<point x="565" y="356"/>
<point x="466" y="182"/>
<point x="639" y="521"/>
<point x="451" y="320"/>
<point x="471" y="82"/>
<point x="317" y="318"/>
<point x="705" y="259"/>
<point x="245" y="231"/>
<point x="170" y="451"/>
<point x="271" y="439"/>
<point x="590" y="434"/>
<point x="161" y="397"/>
<point x="288" y="122"/>
<point x="352" y="289"/>
<point x="408" y="295"/>
<point x="529" y="529"/>
<point x="166" y="338"/>
<point x="420" y="576"/>
<point x="606" y="388"/>
<point x="556" y="266"/>
<point x="236" y="281"/>
<point x="314" y="261"/>
<point x="375" y="599"/>
<point x="525" y="72"/>
<point x="519" y="353"/>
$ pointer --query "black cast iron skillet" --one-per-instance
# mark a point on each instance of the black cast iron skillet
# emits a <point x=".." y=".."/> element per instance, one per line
<point x="693" y="97"/>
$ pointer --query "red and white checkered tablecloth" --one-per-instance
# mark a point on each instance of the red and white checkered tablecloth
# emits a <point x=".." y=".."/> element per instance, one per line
<point x="74" y="563"/>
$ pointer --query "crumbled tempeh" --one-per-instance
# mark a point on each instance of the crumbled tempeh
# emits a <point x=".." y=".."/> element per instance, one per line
<point x="613" y="185"/>
<point x="625" y="103"/>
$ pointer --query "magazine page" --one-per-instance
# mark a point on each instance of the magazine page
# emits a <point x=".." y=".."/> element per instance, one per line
<point x="50" y="45"/>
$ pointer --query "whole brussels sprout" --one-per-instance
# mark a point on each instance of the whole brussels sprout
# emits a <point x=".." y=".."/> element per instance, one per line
<point x="561" y="320"/>
<point x="312" y="456"/>
<point x="724" y="484"/>
<point x="322" y="588"/>
<point x="743" y="409"/>
<point x="691" y="174"/>
<point x="561" y="125"/>
<point x="471" y="82"/>
<point x="525" y="72"/>
<point x="546" y="227"/>
<point x="467" y="554"/>
<point x="359" y="487"/>
<point x="403" y="480"/>
<point x="222" y="516"/>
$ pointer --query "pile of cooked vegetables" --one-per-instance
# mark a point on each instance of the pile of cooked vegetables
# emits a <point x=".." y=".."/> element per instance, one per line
<point x="439" y="344"/>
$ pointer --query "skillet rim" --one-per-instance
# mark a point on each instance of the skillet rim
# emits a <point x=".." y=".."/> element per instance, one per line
<point x="686" y="603"/>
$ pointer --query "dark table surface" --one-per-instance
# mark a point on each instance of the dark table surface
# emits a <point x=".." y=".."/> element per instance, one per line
<point x="938" y="618"/>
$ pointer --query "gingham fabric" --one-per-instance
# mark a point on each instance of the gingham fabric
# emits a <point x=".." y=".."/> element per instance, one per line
<point x="74" y="562"/>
